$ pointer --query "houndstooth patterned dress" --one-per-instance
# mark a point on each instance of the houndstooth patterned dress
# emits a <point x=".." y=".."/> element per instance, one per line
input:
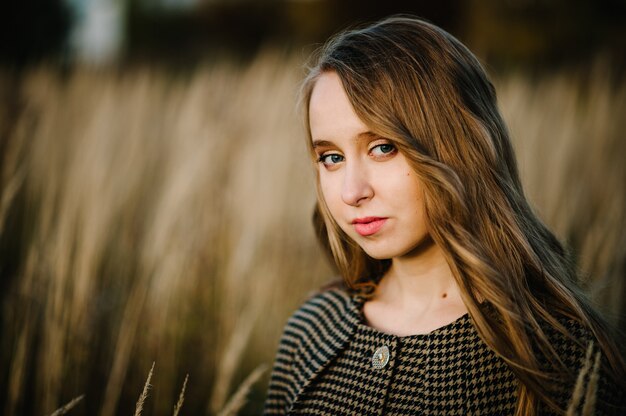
<point x="330" y="363"/>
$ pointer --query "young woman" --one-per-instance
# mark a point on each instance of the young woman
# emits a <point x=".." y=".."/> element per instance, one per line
<point x="456" y="298"/>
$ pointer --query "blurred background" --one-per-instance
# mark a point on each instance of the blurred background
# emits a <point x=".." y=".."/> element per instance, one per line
<point x="156" y="194"/>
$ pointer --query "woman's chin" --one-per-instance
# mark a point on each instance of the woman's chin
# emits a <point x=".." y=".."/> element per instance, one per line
<point x="387" y="251"/>
<point x="381" y="253"/>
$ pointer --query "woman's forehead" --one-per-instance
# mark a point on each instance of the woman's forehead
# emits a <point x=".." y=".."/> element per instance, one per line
<point x="331" y="115"/>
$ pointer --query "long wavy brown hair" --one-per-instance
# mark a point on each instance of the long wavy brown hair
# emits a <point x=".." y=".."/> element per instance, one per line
<point x="417" y="85"/>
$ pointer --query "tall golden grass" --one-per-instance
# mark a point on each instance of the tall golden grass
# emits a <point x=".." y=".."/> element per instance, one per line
<point x="146" y="217"/>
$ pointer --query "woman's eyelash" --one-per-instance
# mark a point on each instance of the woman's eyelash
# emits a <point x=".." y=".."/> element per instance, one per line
<point x="380" y="146"/>
<point x="324" y="158"/>
<point x="385" y="148"/>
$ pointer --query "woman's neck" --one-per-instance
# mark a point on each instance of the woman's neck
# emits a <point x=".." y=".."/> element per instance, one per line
<point x="419" y="278"/>
<point x="417" y="295"/>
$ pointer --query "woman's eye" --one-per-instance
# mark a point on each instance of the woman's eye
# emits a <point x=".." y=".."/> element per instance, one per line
<point x="331" y="159"/>
<point x="383" y="149"/>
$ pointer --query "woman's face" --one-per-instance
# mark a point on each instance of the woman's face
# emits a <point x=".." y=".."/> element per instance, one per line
<point x="368" y="185"/>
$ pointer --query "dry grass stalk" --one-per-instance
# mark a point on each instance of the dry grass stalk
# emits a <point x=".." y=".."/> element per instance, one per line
<point x="238" y="399"/>
<point x="592" y="388"/>
<point x="69" y="406"/>
<point x="231" y="354"/>
<point x="181" y="397"/>
<point x="585" y="390"/>
<point x="144" y="393"/>
<point x="123" y="347"/>
<point x="9" y="190"/>
<point x="579" y="388"/>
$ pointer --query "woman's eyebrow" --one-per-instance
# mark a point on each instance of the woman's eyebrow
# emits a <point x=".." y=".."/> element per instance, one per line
<point x="361" y="136"/>
<point x="367" y="135"/>
<point x="322" y="143"/>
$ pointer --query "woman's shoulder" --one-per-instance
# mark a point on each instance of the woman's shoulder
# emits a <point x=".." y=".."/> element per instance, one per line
<point x="569" y="333"/>
<point x="322" y="324"/>
<point x="327" y="306"/>
<point x="570" y="339"/>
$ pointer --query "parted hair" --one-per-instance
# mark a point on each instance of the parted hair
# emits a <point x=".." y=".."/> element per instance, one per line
<point x="416" y="85"/>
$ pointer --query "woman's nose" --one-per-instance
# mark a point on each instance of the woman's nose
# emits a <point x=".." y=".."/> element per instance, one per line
<point x="356" y="185"/>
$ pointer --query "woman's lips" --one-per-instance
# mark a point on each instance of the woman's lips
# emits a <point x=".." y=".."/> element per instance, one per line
<point x="369" y="225"/>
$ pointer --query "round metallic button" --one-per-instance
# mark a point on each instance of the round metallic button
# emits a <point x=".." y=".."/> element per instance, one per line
<point x="380" y="357"/>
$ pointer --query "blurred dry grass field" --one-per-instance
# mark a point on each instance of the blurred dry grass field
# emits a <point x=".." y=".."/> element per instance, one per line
<point x="145" y="217"/>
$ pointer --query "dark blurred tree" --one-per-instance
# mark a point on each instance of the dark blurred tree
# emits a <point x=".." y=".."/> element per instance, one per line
<point x="240" y="27"/>
<point x="32" y="30"/>
<point x="547" y="33"/>
<point x="512" y="33"/>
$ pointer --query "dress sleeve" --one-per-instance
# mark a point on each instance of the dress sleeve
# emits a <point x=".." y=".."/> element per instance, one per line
<point x="312" y="335"/>
<point x="282" y="383"/>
